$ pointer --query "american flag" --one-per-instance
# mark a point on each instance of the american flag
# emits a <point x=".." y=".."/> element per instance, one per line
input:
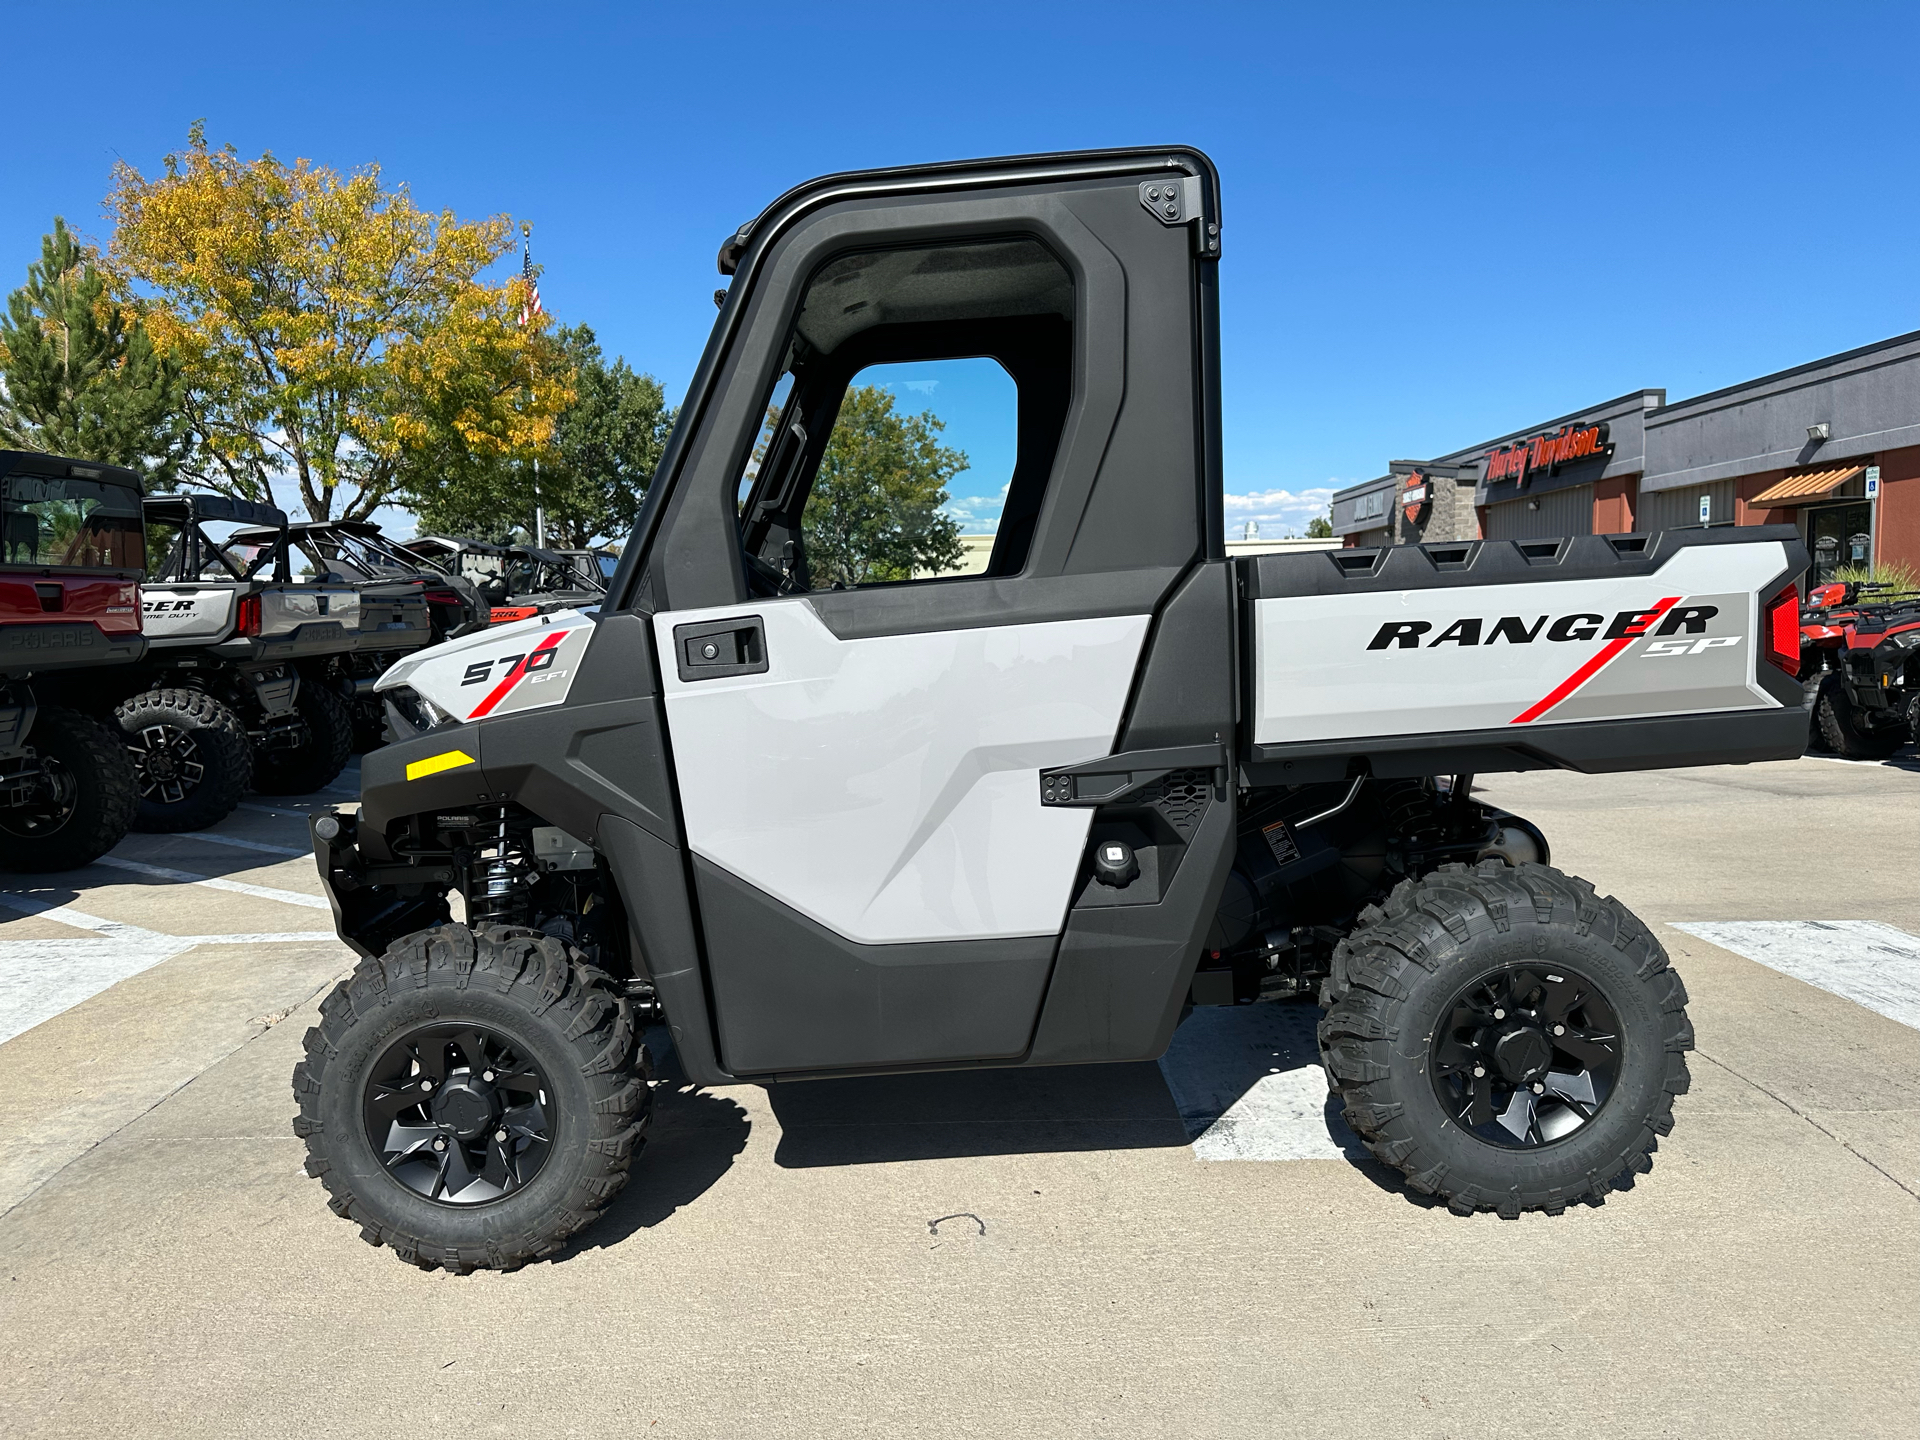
<point x="530" y="306"/>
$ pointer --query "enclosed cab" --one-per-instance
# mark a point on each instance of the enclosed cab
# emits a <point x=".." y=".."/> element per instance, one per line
<point x="827" y="819"/>
<point x="72" y="553"/>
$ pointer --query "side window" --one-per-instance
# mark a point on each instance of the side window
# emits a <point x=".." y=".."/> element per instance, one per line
<point x="914" y="475"/>
<point x="914" y="427"/>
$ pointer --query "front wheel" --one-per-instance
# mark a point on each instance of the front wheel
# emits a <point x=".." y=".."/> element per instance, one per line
<point x="473" y="1098"/>
<point x="1839" y="721"/>
<point x="1505" y="1038"/>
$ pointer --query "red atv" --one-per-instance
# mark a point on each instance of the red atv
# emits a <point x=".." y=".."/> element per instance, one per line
<point x="1860" y="663"/>
<point x="72" y="553"/>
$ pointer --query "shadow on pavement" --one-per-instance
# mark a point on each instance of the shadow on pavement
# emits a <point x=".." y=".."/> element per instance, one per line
<point x="961" y="1113"/>
<point x="694" y="1139"/>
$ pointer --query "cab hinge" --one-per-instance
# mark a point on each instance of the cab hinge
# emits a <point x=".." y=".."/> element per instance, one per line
<point x="1179" y="200"/>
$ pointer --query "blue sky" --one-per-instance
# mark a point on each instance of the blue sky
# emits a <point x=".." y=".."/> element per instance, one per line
<point x="1441" y="222"/>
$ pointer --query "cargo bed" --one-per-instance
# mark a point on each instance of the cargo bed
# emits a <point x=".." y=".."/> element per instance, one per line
<point x="1593" y="652"/>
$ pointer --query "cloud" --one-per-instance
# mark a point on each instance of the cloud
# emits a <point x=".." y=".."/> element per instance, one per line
<point x="978" y="514"/>
<point x="1278" y="512"/>
<point x="919" y="387"/>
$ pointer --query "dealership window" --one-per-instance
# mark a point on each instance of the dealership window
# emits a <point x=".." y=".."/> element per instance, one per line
<point x="1841" y="538"/>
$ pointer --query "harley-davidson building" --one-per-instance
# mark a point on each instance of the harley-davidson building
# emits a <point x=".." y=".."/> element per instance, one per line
<point x="1832" y="447"/>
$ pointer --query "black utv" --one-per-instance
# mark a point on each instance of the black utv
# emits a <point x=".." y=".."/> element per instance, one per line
<point x="1028" y="816"/>
<point x="404" y="605"/>
<point x="357" y="553"/>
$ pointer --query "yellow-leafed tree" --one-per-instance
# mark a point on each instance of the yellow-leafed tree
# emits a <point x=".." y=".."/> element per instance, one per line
<point x="330" y="329"/>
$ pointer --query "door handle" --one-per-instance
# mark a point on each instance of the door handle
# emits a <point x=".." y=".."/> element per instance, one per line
<point x="713" y="648"/>
<point x="1120" y="777"/>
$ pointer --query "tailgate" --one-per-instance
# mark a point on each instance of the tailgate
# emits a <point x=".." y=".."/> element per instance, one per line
<point x="1592" y="652"/>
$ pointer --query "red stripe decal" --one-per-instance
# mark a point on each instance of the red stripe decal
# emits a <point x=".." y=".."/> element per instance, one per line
<point x="1594" y="666"/>
<point x="518" y="673"/>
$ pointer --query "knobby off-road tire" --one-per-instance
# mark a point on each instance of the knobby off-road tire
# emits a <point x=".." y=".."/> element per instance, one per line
<point x="1394" y="998"/>
<point x="561" y="1018"/>
<point x="90" y="797"/>
<point x="1839" y="722"/>
<point x="329" y="744"/>
<point x="191" y="759"/>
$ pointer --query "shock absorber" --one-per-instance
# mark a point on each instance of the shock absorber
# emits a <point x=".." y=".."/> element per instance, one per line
<point x="498" y="879"/>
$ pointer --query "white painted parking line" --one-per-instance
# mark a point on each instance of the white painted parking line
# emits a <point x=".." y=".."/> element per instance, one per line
<point x="1248" y="1084"/>
<point x="237" y="843"/>
<point x="40" y="979"/>
<point x="238" y="887"/>
<point x="1871" y="964"/>
<point x="48" y="910"/>
<point x="264" y="937"/>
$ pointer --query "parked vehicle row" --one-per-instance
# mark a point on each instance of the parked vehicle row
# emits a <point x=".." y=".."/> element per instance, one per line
<point x="160" y="656"/>
<point x="518" y="581"/>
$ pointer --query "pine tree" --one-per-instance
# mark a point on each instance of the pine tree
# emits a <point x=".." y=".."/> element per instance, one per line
<point x="82" y="375"/>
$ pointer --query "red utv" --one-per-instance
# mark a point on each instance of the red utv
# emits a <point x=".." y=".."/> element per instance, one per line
<point x="72" y="554"/>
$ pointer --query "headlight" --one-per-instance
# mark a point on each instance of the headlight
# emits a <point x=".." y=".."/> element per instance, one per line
<point x="408" y="711"/>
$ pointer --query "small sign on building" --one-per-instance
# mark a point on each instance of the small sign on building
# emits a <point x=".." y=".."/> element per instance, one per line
<point x="1873" y="482"/>
<point x="1706" y="509"/>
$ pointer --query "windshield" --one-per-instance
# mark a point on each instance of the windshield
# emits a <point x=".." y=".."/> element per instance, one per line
<point x="81" y="524"/>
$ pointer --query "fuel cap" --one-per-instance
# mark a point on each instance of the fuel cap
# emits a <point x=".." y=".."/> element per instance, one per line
<point x="1114" y="863"/>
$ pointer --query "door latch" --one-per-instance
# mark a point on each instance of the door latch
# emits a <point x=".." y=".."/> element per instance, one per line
<point x="713" y="648"/>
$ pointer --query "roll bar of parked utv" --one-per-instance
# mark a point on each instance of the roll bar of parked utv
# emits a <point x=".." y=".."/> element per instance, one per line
<point x="189" y="509"/>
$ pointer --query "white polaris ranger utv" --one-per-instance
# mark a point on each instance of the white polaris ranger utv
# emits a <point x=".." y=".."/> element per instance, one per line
<point x="1024" y="817"/>
<point x="218" y="706"/>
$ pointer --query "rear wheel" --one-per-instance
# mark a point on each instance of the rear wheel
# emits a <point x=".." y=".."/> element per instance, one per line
<point x="190" y="756"/>
<point x="73" y="795"/>
<point x="1505" y="1038"/>
<point x="1840" y="725"/>
<point x="302" y="769"/>
<point x="473" y="1098"/>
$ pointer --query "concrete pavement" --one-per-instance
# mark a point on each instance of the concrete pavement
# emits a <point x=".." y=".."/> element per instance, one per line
<point x="1043" y="1253"/>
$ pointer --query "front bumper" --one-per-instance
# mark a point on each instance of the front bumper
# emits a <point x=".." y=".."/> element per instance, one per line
<point x="375" y="905"/>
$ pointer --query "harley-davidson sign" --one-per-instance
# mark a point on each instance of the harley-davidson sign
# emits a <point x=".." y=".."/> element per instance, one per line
<point x="1545" y="452"/>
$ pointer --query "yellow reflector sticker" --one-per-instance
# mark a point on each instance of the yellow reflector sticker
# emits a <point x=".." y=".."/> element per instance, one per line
<point x="434" y="764"/>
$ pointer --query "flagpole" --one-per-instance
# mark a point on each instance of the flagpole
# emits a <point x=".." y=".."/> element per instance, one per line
<point x="528" y="308"/>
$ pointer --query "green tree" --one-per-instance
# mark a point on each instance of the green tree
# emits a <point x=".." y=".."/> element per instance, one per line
<point x="874" y="512"/>
<point x="82" y="376"/>
<point x="1320" y="527"/>
<point x="594" y="473"/>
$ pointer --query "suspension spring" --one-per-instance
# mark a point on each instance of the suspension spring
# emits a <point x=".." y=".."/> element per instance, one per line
<point x="499" y="879"/>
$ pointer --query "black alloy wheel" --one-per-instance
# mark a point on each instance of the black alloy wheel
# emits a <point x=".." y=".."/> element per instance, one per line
<point x="190" y="758"/>
<point x="1506" y="1038"/>
<point x="1526" y="1056"/>
<point x="168" y="763"/>
<point x="458" y="1114"/>
<point x="49" y="795"/>
<point x="69" y="799"/>
<point x="473" y="1098"/>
